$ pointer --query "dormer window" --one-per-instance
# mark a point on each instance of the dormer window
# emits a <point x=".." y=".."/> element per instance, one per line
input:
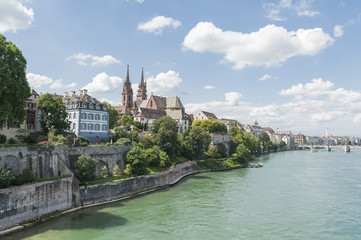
<point x="85" y="105"/>
<point x="94" y="100"/>
<point x="104" y="108"/>
<point x="98" y="107"/>
<point x="91" y="106"/>
<point x="87" y="99"/>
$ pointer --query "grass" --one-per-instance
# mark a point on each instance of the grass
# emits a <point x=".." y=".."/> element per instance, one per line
<point x="108" y="179"/>
<point x="153" y="170"/>
<point x="217" y="164"/>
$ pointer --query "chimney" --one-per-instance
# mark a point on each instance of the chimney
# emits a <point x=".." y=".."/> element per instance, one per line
<point x="66" y="94"/>
<point x="80" y="92"/>
<point x="72" y="93"/>
<point x="85" y="91"/>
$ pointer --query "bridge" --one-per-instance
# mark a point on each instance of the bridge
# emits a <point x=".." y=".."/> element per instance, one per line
<point x="347" y="148"/>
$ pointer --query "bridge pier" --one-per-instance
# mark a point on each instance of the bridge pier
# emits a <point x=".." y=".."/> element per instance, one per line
<point x="347" y="148"/>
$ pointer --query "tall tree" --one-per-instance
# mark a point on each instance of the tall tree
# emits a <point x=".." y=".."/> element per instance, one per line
<point x="53" y="114"/>
<point x="113" y="115"/>
<point x="14" y="88"/>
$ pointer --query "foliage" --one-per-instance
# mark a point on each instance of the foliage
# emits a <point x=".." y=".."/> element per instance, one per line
<point x="30" y="139"/>
<point x="274" y="147"/>
<point x="6" y="177"/>
<point x="56" y="139"/>
<point x="2" y="139"/>
<point x="27" y="176"/>
<point x="148" y="141"/>
<point x="14" y="87"/>
<point x="79" y="140"/>
<point x="234" y="131"/>
<point x="113" y="115"/>
<point x="165" y="131"/>
<point x="282" y="145"/>
<point x="84" y="168"/>
<point x="264" y="137"/>
<point x="213" y="152"/>
<point x="124" y="141"/>
<point x="242" y="154"/>
<point x="137" y="162"/>
<point x="84" y="144"/>
<point x="222" y="150"/>
<point x="12" y="141"/>
<point x="137" y="126"/>
<point x="252" y="143"/>
<point x="211" y="126"/>
<point x="104" y="172"/>
<point x="126" y="121"/>
<point x="196" y="143"/>
<point x="116" y="171"/>
<point x="53" y="114"/>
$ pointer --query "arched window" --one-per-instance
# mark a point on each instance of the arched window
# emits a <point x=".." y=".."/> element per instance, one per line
<point x="91" y="116"/>
<point x="104" y="127"/>
<point x="84" y="116"/>
<point x="74" y="125"/>
<point x="74" y="115"/>
<point x="90" y="126"/>
<point x="97" y="127"/>
<point x="97" y="117"/>
<point x="83" y="126"/>
<point x="104" y="117"/>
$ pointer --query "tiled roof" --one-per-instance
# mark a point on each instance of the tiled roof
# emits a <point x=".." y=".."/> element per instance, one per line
<point x="174" y="102"/>
<point x="161" y="102"/>
<point x="122" y="109"/>
<point x="268" y="129"/>
<point x="151" y="113"/>
<point x="210" y="115"/>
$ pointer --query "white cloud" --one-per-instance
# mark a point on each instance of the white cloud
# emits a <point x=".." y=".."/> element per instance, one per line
<point x="269" y="46"/>
<point x="300" y="7"/>
<point x="265" y="77"/>
<point x="105" y="60"/>
<point x="84" y="59"/>
<point x="57" y="84"/>
<point x="104" y="83"/>
<point x="164" y="82"/>
<point x="139" y="1"/>
<point x="14" y="16"/>
<point x="71" y="85"/>
<point x="208" y="87"/>
<point x="157" y="24"/>
<point x="37" y="81"/>
<point x="113" y="103"/>
<point x="316" y="103"/>
<point x="338" y="31"/>
<point x="232" y="98"/>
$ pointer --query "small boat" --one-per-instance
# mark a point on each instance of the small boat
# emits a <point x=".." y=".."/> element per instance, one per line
<point x="258" y="165"/>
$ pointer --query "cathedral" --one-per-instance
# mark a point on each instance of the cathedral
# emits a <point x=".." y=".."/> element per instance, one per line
<point x="147" y="110"/>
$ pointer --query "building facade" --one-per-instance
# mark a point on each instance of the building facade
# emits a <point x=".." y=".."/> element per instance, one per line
<point x="89" y="117"/>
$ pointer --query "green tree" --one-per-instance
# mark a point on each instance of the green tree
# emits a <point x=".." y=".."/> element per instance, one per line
<point x="6" y="177"/>
<point x="116" y="171"/>
<point x="165" y="131"/>
<point x="126" y="121"/>
<point x="85" y="167"/>
<point x="113" y="115"/>
<point x="252" y="143"/>
<point x="283" y="145"/>
<point x="53" y="114"/>
<point x="14" y="88"/>
<point x="264" y="137"/>
<point x="242" y="154"/>
<point x="222" y="149"/>
<point x="234" y="131"/>
<point x="137" y="162"/>
<point x="104" y="172"/>
<point x="211" y="126"/>
<point x="213" y="152"/>
<point x="196" y="143"/>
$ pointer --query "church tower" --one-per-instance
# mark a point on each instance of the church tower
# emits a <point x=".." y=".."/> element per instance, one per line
<point x="142" y="89"/>
<point x="127" y="92"/>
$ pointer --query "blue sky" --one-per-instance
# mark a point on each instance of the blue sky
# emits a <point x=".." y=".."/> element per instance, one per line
<point x="292" y="65"/>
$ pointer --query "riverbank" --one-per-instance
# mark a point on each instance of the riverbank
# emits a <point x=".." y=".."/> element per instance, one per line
<point x="99" y="194"/>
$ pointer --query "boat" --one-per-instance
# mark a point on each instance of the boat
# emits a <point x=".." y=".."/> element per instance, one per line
<point x="258" y="165"/>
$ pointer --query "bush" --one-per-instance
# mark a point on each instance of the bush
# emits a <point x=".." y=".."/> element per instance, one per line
<point x="164" y="159"/>
<point x="6" y="177"/>
<point x="12" y="141"/>
<point x="84" y="168"/>
<point x="84" y="144"/>
<point x="30" y="139"/>
<point x="124" y="141"/>
<point x="2" y="139"/>
<point x="26" y="177"/>
<point x="116" y="171"/>
<point x="137" y="161"/>
<point x="104" y="172"/>
<point x="222" y="149"/>
<point x="213" y="152"/>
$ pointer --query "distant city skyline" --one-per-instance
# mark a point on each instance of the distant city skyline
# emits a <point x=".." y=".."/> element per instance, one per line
<point x="291" y="65"/>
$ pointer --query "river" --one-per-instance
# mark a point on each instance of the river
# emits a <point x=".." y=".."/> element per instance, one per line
<point x="296" y="195"/>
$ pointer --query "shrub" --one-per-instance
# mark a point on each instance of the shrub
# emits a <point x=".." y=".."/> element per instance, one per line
<point x="6" y="177"/>
<point x="12" y="141"/>
<point x="213" y="152"/>
<point x="2" y="139"/>
<point x="124" y="141"/>
<point x="84" y="168"/>
<point x="137" y="160"/>
<point x="26" y="177"/>
<point x="84" y="144"/>
<point x="164" y="159"/>
<point x="116" y="171"/>
<point x="104" y="172"/>
<point x="30" y="139"/>
<point x="222" y="149"/>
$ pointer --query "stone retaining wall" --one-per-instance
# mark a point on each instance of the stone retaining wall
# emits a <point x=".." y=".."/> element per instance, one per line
<point x="29" y="202"/>
<point x="109" y="191"/>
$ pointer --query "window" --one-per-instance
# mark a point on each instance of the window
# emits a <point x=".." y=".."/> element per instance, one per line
<point x="104" y="108"/>
<point x="91" y="106"/>
<point x="83" y="116"/>
<point x="97" y="127"/>
<point x="104" y="127"/>
<point x="104" y="117"/>
<point x="94" y="100"/>
<point x="74" y="115"/>
<point x="90" y="126"/>
<point x="69" y="115"/>
<point x="85" y="105"/>
<point x="83" y="126"/>
<point x="98" y="107"/>
<point x="74" y="125"/>
<point x="87" y="99"/>
<point x="91" y="116"/>
<point x="97" y="117"/>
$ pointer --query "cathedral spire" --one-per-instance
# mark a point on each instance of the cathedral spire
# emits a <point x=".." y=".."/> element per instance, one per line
<point x="127" y="91"/>
<point x="142" y="79"/>
<point x="127" y="80"/>
<point x="142" y="89"/>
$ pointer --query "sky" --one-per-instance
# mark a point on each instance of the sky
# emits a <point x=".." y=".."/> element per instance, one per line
<point x="289" y="64"/>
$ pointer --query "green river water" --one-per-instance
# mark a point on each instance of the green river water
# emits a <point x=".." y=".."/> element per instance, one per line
<point x="296" y="195"/>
